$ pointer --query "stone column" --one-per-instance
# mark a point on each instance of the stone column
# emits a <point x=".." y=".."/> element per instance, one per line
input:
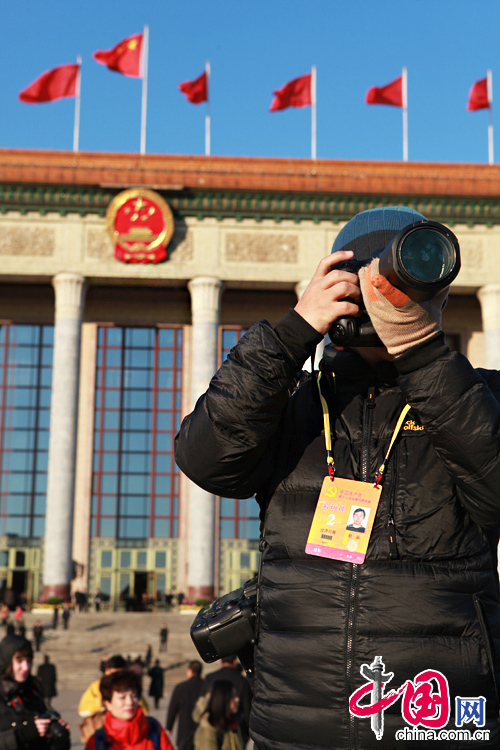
<point x="84" y="457"/>
<point x="489" y="298"/>
<point x="69" y="294"/>
<point x="205" y="310"/>
<point x="300" y="288"/>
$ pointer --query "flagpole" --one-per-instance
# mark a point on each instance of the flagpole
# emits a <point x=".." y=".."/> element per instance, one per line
<point x="144" y="73"/>
<point x="489" y="88"/>
<point x="207" y="115"/>
<point x="313" y="112"/>
<point x="76" y="127"/>
<point x="405" y="113"/>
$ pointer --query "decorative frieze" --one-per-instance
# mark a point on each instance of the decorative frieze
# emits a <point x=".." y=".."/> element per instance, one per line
<point x="97" y="244"/>
<point x="472" y="251"/>
<point x="25" y="240"/>
<point x="262" y="247"/>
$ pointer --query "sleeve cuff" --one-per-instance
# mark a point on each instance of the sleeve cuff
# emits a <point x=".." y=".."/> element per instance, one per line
<point x="422" y="354"/>
<point x="299" y="338"/>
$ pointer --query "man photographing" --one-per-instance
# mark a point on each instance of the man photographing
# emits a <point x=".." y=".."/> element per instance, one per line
<point x="422" y="603"/>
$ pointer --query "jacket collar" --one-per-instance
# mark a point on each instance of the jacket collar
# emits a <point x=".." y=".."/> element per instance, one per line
<point x="348" y="364"/>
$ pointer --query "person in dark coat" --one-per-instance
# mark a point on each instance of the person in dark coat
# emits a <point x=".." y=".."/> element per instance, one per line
<point x="55" y="616"/>
<point x="38" y="634"/>
<point x="47" y="674"/>
<point x="23" y="725"/>
<point x="420" y="615"/>
<point x="163" y="637"/>
<point x="230" y="670"/>
<point x="156" y="684"/>
<point x="148" y="657"/>
<point x="66" y="614"/>
<point x="182" y="702"/>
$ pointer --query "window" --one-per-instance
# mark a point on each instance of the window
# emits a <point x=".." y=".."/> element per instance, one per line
<point x="239" y="519"/>
<point x="25" y="391"/>
<point x="106" y="558"/>
<point x="125" y="559"/>
<point x="228" y="337"/>
<point x="137" y="413"/>
<point x="160" y="559"/>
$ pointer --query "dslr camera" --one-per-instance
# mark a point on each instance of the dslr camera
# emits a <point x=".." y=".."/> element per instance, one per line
<point x="420" y="260"/>
<point x="228" y="626"/>
<point x="57" y="737"/>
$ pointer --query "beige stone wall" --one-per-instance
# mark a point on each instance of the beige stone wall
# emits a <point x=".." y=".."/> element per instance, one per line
<point x="245" y="253"/>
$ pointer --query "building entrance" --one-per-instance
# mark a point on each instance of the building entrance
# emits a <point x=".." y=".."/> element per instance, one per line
<point x="19" y="583"/>
<point x="19" y="573"/>
<point x="140" y="589"/>
<point x="133" y="577"/>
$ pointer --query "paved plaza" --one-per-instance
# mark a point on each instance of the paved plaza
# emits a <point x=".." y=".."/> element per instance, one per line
<point x="77" y="652"/>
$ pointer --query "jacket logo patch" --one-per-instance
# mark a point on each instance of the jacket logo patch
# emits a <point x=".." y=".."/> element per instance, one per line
<point x="410" y="424"/>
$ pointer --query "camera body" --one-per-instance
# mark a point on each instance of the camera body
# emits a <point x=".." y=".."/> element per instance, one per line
<point x="350" y="331"/>
<point x="58" y="737"/>
<point x="227" y="626"/>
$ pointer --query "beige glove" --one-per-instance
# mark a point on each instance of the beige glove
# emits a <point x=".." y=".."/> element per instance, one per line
<point x="400" y="322"/>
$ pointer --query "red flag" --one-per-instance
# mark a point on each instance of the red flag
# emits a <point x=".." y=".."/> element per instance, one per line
<point x="196" y="91"/>
<point x="53" y="84"/>
<point x="391" y="94"/>
<point x="296" y="93"/>
<point x="124" y="58"/>
<point x="478" y="96"/>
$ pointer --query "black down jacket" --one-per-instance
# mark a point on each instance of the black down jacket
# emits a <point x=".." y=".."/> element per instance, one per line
<point x="427" y="595"/>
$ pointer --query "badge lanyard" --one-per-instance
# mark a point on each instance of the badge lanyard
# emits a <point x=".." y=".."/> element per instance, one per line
<point x="346" y="508"/>
<point x="328" y="436"/>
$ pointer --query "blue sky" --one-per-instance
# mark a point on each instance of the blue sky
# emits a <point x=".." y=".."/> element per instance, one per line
<point x="254" y="48"/>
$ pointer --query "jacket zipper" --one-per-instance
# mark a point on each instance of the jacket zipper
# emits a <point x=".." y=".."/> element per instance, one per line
<point x="391" y="528"/>
<point x="367" y="431"/>
<point x="365" y="468"/>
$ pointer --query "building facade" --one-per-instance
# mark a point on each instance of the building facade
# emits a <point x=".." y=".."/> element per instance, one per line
<point x="100" y="358"/>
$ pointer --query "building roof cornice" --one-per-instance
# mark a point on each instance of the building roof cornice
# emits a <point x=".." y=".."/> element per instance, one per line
<point x="248" y="187"/>
<point x="249" y="173"/>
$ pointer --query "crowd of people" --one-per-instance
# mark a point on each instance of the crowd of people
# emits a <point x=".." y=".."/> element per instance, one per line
<point x="208" y="714"/>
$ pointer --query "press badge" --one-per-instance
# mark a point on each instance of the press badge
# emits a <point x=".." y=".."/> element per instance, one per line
<point x="343" y="520"/>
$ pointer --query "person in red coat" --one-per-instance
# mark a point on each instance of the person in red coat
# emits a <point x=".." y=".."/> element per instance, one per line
<point x="126" y="726"/>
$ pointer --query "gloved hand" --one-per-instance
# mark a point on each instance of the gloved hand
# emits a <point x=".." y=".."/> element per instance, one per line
<point x="400" y="322"/>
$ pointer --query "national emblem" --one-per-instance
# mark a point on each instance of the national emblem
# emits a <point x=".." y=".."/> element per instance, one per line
<point x="140" y="224"/>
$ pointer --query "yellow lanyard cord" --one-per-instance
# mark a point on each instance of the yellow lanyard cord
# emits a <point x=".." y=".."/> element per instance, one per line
<point x="403" y="414"/>
<point x="328" y="436"/>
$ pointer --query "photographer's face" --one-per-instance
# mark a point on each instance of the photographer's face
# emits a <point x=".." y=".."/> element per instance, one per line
<point x="123" y="705"/>
<point x="21" y="667"/>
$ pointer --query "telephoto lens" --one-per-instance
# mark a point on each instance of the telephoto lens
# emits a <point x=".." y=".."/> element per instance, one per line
<point x="421" y="260"/>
